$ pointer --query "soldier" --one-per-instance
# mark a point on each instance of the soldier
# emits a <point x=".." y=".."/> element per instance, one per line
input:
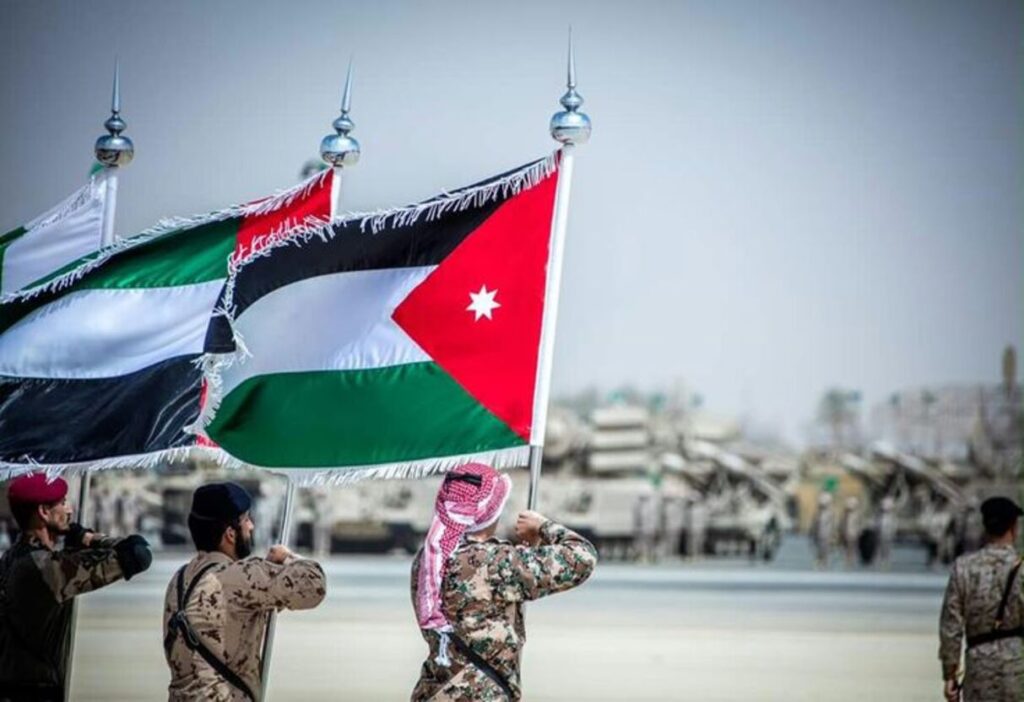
<point x="696" y="528"/>
<point x="673" y="516"/>
<point x="850" y="530"/>
<point x="984" y="603"/>
<point x="217" y="605"/>
<point x="823" y="530"/>
<point x="646" y="514"/>
<point x="886" y="532"/>
<point x="39" y="581"/>
<point x="468" y="587"/>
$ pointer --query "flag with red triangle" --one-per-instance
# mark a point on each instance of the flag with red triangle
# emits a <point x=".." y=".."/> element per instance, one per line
<point x="390" y="345"/>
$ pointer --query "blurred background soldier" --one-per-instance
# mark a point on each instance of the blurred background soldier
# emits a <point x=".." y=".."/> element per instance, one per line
<point x="217" y="605"/>
<point x="105" y="507"/>
<point x="886" y="532"/>
<point x="323" y="521"/>
<point x="696" y="527"/>
<point x="129" y="511"/>
<point x="38" y="582"/>
<point x="823" y="529"/>
<point x="973" y="529"/>
<point x="850" y="530"/>
<point x="984" y="604"/>
<point x="646" y="515"/>
<point x="673" y="514"/>
<point x="5" y="537"/>
<point x="468" y="587"/>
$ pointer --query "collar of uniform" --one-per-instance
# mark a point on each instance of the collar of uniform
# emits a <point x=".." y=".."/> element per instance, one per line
<point x="205" y="557"/>
<point x="489" y="540"/>
<point x="1001" y="547"/>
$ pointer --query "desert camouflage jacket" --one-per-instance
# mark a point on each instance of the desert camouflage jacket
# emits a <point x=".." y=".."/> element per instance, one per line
<point x="483" y="591"/>
<point x="994" y="671"/>
<point x="228" y="611"/>
<point x="37" y="585"/>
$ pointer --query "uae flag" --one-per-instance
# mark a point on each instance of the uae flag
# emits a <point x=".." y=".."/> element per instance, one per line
<point x="67" y="232"/>
<point x="392" y="345"/>
<point x="99" y="362"/>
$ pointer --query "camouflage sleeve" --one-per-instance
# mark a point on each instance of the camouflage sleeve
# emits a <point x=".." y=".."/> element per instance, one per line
<point x="951" y="626"/>
<point x="299" y="584"/>
<point x="103" y="541"/>
<point x="563" y="560"/>
<point x="72" y="573"/>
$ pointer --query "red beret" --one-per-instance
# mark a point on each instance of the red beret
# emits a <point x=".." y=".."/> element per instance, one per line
<point x="35" y="489"/>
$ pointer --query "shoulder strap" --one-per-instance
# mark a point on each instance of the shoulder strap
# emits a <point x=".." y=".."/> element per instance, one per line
<point x="180" y="622"/>
<point x="1007" y="589"/>
<point x="482" y="665"/>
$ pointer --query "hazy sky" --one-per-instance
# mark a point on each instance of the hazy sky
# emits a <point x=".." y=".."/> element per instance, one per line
<point x="778" y="196"/>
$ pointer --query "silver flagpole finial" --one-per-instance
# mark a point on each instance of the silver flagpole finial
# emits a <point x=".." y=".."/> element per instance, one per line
<point x="571" y="126"/>
<point x="340" y="149"/>
<point x="113" y="149"/>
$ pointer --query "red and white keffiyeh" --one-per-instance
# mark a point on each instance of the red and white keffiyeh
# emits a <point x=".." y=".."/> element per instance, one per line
<point x="471" y="498"/>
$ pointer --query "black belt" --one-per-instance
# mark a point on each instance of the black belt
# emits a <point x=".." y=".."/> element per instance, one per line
<point x="995" y="635"/>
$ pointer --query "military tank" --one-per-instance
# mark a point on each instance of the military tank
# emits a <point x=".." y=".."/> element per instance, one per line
<point x="745" y="512"/>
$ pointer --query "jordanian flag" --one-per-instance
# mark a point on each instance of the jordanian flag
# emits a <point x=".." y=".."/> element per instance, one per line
<point x="99" y="362"/>
<point x="69" y="231"/>
<point x="392" y="345"/>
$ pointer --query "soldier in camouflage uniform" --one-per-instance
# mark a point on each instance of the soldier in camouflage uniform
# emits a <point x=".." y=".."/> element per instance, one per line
<point x="468" y="587"/>
<point x="39" y="581"/>
<point x="984" y="608"/>
<point x="218" y="604"/>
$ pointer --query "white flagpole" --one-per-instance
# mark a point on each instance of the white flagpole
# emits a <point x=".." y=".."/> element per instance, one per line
<point x="284" y="539"/>
<point x="112" y="150"/>
<point x="338" y="150"/>
<point x="569" y="127"/>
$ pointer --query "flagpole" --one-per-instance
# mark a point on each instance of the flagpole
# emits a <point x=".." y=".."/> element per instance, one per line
<point x="284" y="538"/>
<point x="112" y="150"/>
<point x="338" y="150"/>
<point x="568" y="127"/>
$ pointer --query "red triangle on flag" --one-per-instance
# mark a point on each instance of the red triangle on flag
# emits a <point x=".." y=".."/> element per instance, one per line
<point x="479" y="314"/>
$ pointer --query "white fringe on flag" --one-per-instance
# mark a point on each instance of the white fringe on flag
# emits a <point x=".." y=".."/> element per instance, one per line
<point x="141" y="461"/>
<point x="164" y="227"/>
<point x="516" y="457"/>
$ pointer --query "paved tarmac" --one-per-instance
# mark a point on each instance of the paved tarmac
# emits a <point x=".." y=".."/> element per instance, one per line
<point x="705" y="631"/>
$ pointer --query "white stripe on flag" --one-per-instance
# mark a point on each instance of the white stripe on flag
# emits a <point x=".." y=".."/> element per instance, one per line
<point x="331" y="322"/>
<point x="108" y="332"/>
<point x="69" y="231"/>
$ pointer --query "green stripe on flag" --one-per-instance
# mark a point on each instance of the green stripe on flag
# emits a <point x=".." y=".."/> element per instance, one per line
<point x="5" y="241"/>
<point x="181" y="257"/>
<point x="193" y="256"/>
<point x="333" y="419"/>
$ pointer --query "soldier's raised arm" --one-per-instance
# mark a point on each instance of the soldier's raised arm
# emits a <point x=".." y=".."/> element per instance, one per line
<point x="89" y="564"/>
<point x="951" y="626"/>
<point x="283" y="580"/>
<point x="560" y="560"/>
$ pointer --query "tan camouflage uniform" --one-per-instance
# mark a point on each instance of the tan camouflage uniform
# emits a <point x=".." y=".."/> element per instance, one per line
<point x="995" y="670"/>
<point x="37" y="586"/>
<point x="228" y="611"/>
<point x="483" y="590"/>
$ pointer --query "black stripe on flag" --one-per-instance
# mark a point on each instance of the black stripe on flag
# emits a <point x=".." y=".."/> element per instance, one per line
<point x="424" y="243"/>
<point x="54" y="421"/>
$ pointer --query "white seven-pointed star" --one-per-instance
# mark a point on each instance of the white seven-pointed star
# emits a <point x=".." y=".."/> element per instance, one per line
<point x="483" y="303"/>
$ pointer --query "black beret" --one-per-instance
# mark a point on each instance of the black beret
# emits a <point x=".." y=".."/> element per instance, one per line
<point x="221" y="501"/>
